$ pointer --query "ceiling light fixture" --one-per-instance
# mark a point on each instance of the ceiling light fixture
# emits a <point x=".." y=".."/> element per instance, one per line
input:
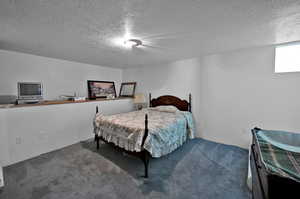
<point x="133" y="43"/>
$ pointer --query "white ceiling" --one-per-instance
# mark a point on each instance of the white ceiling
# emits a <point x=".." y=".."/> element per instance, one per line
<point x="83" y="30"/>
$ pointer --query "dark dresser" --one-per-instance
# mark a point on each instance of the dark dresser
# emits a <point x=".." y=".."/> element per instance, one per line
<point x="268" y="184"/>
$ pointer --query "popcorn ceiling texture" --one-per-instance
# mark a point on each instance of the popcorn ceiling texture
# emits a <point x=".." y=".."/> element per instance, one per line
<point x="82" y="30"/>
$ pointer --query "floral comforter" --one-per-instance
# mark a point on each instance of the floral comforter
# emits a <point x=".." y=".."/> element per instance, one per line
<point x="167" y="130"/>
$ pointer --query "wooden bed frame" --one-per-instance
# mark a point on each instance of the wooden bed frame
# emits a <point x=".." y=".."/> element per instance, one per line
<point x="165" y="100"/>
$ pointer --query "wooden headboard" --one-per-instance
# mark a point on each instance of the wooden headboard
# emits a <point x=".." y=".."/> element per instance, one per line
<point x="166" y="100"/>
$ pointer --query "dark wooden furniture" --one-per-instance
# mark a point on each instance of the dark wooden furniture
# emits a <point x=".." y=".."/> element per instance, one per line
<point x="266" y="185"/>
<point x="144" y="155"/>
<point x="166" y="100"/>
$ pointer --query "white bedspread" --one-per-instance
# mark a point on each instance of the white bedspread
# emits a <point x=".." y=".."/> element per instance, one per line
<point x="167" y="130"/>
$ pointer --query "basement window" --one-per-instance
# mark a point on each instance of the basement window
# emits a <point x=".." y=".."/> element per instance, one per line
<point x="287" y="58"/>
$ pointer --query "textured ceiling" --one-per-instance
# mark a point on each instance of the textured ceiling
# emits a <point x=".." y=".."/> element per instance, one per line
<point x="85" y="30"/>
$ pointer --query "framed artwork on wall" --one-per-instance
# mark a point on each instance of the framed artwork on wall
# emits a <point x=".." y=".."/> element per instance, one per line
<point x="127" y="89"/>
<point x="101" y="89"/>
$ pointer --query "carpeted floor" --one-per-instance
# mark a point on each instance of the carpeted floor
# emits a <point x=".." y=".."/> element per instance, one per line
<point x="199" y="169"/>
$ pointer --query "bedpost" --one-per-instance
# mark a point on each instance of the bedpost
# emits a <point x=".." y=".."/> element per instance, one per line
<point x="146" y="130"/>
<point x="96" y="135"/>
<point x="190" y="102"/>
<point x="150" y="100"/>
<point x="146" y="160"/>
<point x="97" y="140"/>
<point x="145" y="155"/>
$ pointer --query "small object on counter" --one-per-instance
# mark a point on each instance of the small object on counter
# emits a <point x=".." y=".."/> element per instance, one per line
<point x="110" y="96"/>
<point x="79" y="99"/>
<point x="8" y="99"/>
<point x="66" y="97"/>
<point x="72" y="97"/>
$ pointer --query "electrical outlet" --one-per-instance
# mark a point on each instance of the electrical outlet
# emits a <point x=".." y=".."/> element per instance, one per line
<point x="18" y="140"/>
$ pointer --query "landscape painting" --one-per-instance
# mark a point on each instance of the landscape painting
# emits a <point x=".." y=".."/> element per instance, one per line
<point x="101" y="89"/>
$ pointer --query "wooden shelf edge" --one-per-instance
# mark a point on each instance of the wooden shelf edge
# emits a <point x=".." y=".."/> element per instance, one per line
<point x="57" y="102"/>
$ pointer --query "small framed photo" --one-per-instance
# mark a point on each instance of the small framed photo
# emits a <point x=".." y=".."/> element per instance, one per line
<point x="127" y="89"/>
<point x="101" y="89"/>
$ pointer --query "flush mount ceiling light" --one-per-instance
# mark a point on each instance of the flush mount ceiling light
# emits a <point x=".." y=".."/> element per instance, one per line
<point x="127" y="42"/>
<point x="133" y="43"/>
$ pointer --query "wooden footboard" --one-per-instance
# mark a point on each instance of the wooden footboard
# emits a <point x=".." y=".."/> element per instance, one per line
<point x="144" y="155"/>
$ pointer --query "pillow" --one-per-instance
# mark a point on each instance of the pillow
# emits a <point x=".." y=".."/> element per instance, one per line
<point x="169" y="108"/>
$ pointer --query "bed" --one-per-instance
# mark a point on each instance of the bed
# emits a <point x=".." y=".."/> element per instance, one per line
<point x="148" y="133"/>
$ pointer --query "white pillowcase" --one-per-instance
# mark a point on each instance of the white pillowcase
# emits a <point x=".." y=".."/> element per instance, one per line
<point x="169" y="109"/>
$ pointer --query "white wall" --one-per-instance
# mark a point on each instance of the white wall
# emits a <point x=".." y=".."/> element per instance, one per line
<point x="59" y="77"/>
<point x="178" y="78"/>
<point x="3" y="139"/>
<point x="240" y="91"/>
<point x="1" y="177"/>
<point x="232" y="92"/>
<point x="31" y="131"/>
<point x="3" y="146"/>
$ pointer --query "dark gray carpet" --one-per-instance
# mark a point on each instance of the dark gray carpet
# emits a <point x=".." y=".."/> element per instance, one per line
<point x="199" y="169"/>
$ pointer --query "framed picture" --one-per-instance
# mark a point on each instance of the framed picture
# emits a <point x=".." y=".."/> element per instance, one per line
<point x="101" y="89"/>
<point x="127" y="89"/>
